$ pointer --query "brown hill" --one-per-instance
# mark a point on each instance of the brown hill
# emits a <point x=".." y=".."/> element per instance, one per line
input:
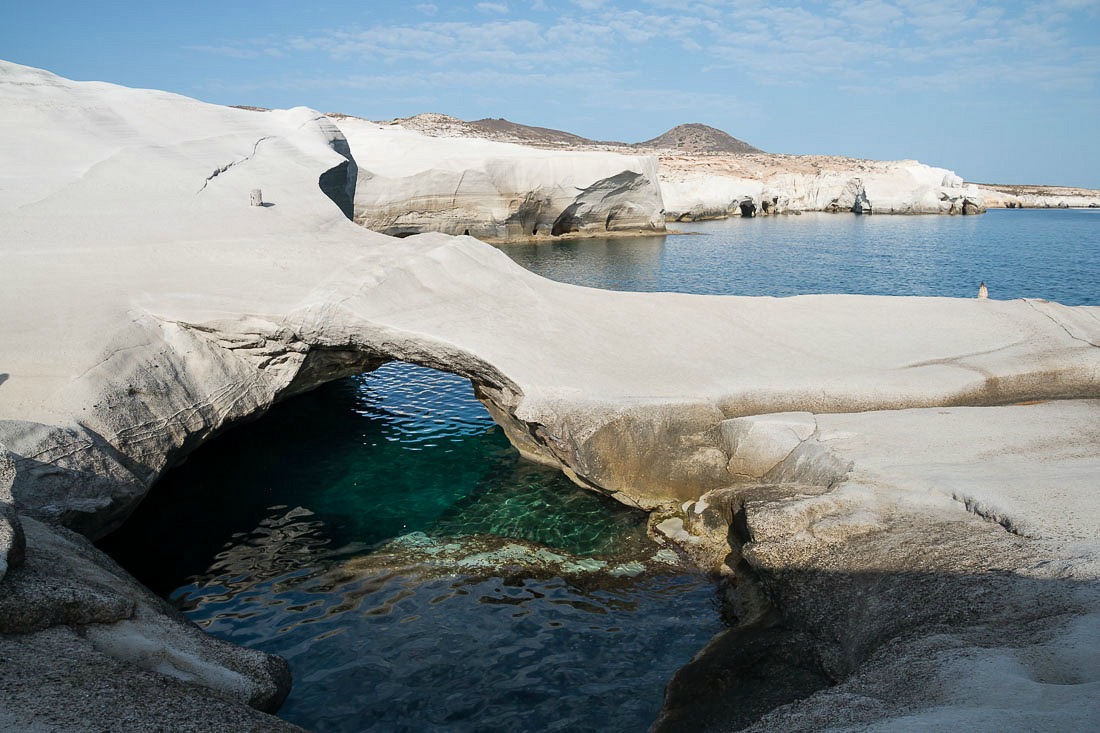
<point x="691" y="138"/>
<point x="697" y="138"/>
<point x="503" y="129"/>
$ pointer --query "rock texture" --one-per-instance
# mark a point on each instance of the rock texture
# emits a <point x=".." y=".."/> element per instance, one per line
<point x="409" y="183"/>
<point x="149" y="306"/>
<point x="936" y="569"/>
<point x="696" y="188"/>
<point x="705" y="173"/>
<point x="1038" y="197"/>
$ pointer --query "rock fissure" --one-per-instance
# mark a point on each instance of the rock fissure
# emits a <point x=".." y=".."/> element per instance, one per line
<point x="980" y="509"/>
<point x="223" y="168"/>
<point x="1062" y="325"/>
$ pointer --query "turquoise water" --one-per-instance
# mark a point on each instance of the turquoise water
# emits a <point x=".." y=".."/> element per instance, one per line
<point x="381" y="535"/>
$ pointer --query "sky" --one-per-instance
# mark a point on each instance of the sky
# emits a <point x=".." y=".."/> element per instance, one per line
<point x="998" y="92"/>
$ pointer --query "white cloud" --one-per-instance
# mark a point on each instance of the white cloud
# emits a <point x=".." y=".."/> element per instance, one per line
<point x="881" y="44"/>
<point x="427" y="9"/>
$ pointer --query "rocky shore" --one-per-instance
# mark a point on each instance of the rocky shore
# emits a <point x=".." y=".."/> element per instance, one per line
<point x="702" y="173"/>
<point x="410" y="183"/>
<point x="911" y="481"/>
<point x="1038" y="197"/>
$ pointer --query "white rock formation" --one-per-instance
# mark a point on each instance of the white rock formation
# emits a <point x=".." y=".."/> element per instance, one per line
<point x="147" y="306"/>
<point x="411" y="183"/>
<point x="945" y="561"/>
<point x="714" y="180"/>
<point x="714" y="187"/>
<point x="1039" y="197"/>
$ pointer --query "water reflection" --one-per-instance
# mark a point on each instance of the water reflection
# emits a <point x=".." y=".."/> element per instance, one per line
<point x="619" y="263"/>
<point x="1019" y="253"/>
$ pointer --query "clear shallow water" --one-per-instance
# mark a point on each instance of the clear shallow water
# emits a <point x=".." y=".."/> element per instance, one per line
<point x="296" y="513"/>
<point x="280" y="535"/>
<point x="1052" y="254"/>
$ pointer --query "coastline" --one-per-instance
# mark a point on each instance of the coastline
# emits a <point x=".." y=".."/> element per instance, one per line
<point x="134" y="339"/>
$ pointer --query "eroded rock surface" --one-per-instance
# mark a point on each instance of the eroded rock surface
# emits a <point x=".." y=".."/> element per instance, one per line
<point x="916" y="603"/>
<point x="149" y="306"/>
<point x="706" y="174"/>
<point x="409" y="183"/>
<point x="1038" y="197"/>
<point x="711" y="187"/>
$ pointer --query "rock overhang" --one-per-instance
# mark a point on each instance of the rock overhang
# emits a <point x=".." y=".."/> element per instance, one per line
<point x="204" y="312"/>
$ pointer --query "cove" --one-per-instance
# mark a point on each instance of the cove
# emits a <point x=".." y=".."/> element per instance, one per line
<point x="300" y="580"/>
<point x="382" y="535"/>
<point x="1018" y="253"/>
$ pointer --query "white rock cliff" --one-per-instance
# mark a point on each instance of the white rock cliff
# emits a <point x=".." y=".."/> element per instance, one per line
<point x="695" y="189"/>
<point x="409" y="183"/>
<point x="148" y="306"/>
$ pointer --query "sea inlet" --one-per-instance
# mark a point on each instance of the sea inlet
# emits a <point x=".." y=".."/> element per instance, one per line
<point x="381" y="534"/>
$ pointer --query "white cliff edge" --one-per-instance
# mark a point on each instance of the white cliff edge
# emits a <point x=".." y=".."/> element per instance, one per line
<point x="409" y="183"/>
<point x="760" y="184"/>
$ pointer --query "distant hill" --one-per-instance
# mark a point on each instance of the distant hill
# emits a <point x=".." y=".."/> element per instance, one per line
<point x="527" y="133"/>
<point x="698" y="138"/>
<point x="500" y="130"/>
<point x="690" y="138"/>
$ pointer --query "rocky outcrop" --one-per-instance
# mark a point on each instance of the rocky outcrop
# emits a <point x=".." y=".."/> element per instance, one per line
<point x="130" y="340"/>
<point x="705" y="173"/>
<point x="999" y="196"/>
<point x="410" y="183"/>
<point x="874" y="622"/>
<point x="13" y="544"/>
<point x="695" y="189"/>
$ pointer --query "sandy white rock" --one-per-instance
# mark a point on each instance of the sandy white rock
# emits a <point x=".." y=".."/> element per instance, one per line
<point x="411" y="183"/>
<point x="783" y="184"/>
<point x="758" y="444"/>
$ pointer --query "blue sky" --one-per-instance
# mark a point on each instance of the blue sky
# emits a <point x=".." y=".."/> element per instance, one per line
<point x="998" y="92"/>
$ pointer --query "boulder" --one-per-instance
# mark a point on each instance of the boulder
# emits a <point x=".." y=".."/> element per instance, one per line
<point x="69" y="602"/>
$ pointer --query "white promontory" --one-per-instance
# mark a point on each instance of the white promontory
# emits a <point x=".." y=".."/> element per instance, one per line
<point x="756" y="184"/>
<point x="410" y="183"/>
<point x="147" y="305"/>
<point x="703" y="173"/>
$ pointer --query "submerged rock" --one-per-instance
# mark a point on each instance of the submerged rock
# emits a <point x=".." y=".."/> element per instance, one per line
<point x="493" y="556"/>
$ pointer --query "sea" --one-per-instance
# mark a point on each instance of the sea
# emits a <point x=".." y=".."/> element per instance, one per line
<point x="381" y="534"/>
